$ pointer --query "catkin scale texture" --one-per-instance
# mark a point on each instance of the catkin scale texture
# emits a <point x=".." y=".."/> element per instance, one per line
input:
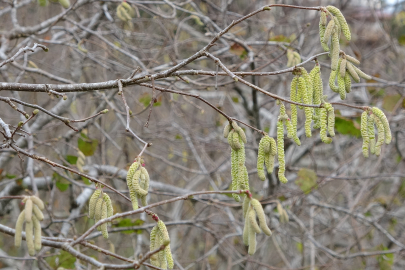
<point x="332" y="84"/>
<point x="162" y="228"/>
<point x="342" y="21"/>
<point x="387" y="131"/>
<point x="261" y="216"/>
<point x="28" y="210"/>
<point x="302" y="86"/>
<point x="280" y="151"/>
<point x="29" y="238"/>
<point x="38" y="202"/>
<point x="323" y="132"/>
<point x="352" y="72"/>
<point x="252" y="220"/>
<point x="19" y="228"/>
<point x="38" y="213"/>
<point x="335" y="51"/>
<point x="371" y="134"/>
<point x="348" y="83"/>
<point x="364" y="133"/>
<point x="260" y="159"/>
<point x="93" y="202"/>
<point x="37" y="233"/>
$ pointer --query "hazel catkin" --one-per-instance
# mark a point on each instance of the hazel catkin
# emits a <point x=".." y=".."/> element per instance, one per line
<point x="364" y="133"/>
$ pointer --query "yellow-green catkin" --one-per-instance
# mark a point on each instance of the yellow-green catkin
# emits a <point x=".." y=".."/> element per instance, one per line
<point x="161" y="254"/>
<point x="332" y="78"/>
<point x="329" y="31"/>
<point x="322" y="29"/>
<point x="252" y="241"/>
<point x="240" y="131"/>
<point x="235" y="141"/>
<point x="260" y="159"/>
<point x="302" y="85"/>
<point x="38" y="213"/>
<point x="261" y="216"/>
<point x="361" y="73"/>
<point x="145" y="179"/>
<point x="269" y="159"/>
<point x="318" y="93"/>
<point x="371" y="134"/>
<point x="29" y="238"/>
<point x="132" y="193"/>
<point x="37" y="233"/>
<point x="93" y="202"/>
<point x="104" y="214"/>
<point x="19" y="228"/>
<point x="280" y="151"/>
<point x="323" y="132"/>
<point x="246" y="229"/>
<point x="341" y="82"/>
<point x="227" y="129"/>
<point x="28" y="210"/>
<point x="37" y="201"/>
<point x="342" y="21"/>
<point x="99" y="209"/>
<point x="335" y="51"/>
<point x="163" y="230"/>
<point x="352" y="71"/>
<point x="331" y="119"/>
<point x="352" y="59"/>
<point x="153" y="234"/>
<point x="169" y="257"/>
<point x="387" y="131"/>
<point x="135" y="184"/>
<point x="364" y="133"/>
<point x="293" y="97"/>
<point x="348" y="83"/>
<point x="381" y="134"/>
<point x="342" y="68"/>
<point x="230" y="138"/>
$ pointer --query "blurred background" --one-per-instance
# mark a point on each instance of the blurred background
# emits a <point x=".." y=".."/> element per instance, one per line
<point x="345" y="211"/>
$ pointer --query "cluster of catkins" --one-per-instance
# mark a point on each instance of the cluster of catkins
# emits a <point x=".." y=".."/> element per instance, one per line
<point x="158" y="237"/>
<point x="251" y="209"/>
<point x="31" y="215"/>
<point x="125" y="12"/>
<point x="237" y="139"/>
<point x="344" y="71"/>
<point x="377" y="118"/>
<point x="266" y="155"/>
<point x="100" y="207"/>
<point x="340" y="62"/>
<point x="293" y="58"/>
<point x="138" y="183"/>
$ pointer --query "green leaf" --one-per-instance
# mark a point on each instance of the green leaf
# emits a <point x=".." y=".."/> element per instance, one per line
<point x="71" y="159"/>
<point x="306" y="180"/>
<point x="64" y="259"/>
<point x="86" y="181"/>
<point x="178" y="137"/>
<point x="146" y="98"/>
<point x="390" y="101"/>
<point x="385" y="261"/>
<point x="235" y="99"/>
<point x="347" y="126"/>
<point x="61" y="183"/>
<point x="86" y="145"/>
<point x="10" y="176"/>
<point x="127" y="222"/>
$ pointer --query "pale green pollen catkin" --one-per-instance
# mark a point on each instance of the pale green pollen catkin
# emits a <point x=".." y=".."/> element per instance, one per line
<point x="37" y="233"/>
<point x="104" y="214"/>
<point x="381" y="134"/>
<point x="19" y="228"/>
<point x="169" y="257"/>
<point x="387" y="131"/>
<point x="323" y="132"/>
<point x="266" y="144"/>
<point x="154" y="257"/>
<point x="261" y="216"/>
<point x="38" y="213"/>
<point x="293" y="97"/>
<point x="335" y="51"/>
<point x="352" y="72"/>
<point x="93" y="202"/>
<point x="332" y="79"/>
<point x="273" y="146"/>
<point x="252" y="220"/>
<point x="280" y="151"/>
<point x="322" y="29"/>
<point x="302" y="86"/>
<point x="227" y="129"/>
<point x="230" y="139"/>
<point x="341" y="83"/>
<point x="352" y="59"/>
<point x="342" y="21"/>
<point x="135" y="184"/>
<point x="260" y="159"/>
<point x="38" y="202"/>
<point x="240" y="131"/>
<point x="328" y="31"/>
<point x="29" y="238"/>
<point x="342" y="68"/>
<point x="318" y="92"/>
<point x="246" y="230"/>
<point x="28" y="210"/>
<point x="235" y="141"/>
<point x="163" y="230"/>
<point x="331" y="119"/>
<point x="99" y="209"/>
<point x="348" y="82"/>
<point x="364" y="133"/>
<point x="252" y="241"/>
<point x="361" y="73"/>
<point x="371" y="134"/>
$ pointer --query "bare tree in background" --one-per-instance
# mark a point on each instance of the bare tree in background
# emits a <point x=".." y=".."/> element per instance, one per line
<point x="159" y="81"/>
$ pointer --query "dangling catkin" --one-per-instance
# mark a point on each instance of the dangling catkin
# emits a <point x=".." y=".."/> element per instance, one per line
<point x="323" y="132"/>
<point x="260" y="214"/>
<point x="302" y="85"/>
<point x="240" y="131"/>
<point x="19" y="228"/>
<point x="335" y="51"/>
<point x="322" y="29"/>
<point x="38" y="202"/>
<point x="154" y="257"/>
<point x="260" y="159"/>
<point x="28" y="210"/>
<point x="135" y="184"/>
<point x="29" y="237"/>
<point x="280" y="151"/>
<point x="331" y="119"/>
<point x="104" y="214"/>
<point x="348" y="83"/>
<point x="328" y="31"/>
<point x="387" y="131"/>
<point x="226" y="130"/>
<point x="364" y="133"/>
<point x="37" y="233"/>
<point x="342" y="68"/>
<point x="352" y="72"/>
<point x="332" y="79"/>
<point x="235" y="141"/>
<point x="341" y="83"/>
<point x="381" y="135"/>
<point x="293" y="97"/>
<point x="38" y="213"/>
<point x="93" y="202"/>
<point x="371" y="134"/>
<point x="246" y="230"/>
<point x="352" y="59"/>
<point x="342" y="21"/>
